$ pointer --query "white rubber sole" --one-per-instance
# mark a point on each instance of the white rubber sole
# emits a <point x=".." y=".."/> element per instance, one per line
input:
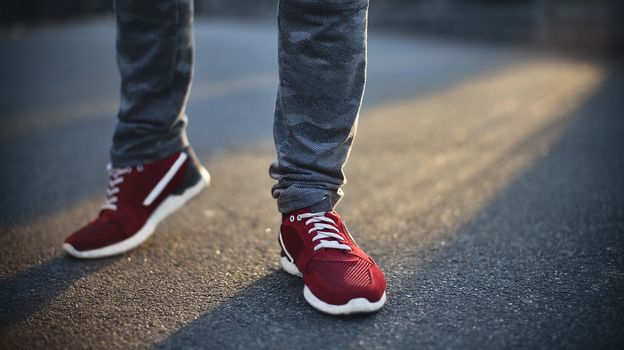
<point x="168" y="206"/>
<point x="353" y="306"/>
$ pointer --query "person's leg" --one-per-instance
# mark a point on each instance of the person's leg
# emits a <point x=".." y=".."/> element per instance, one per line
<point x="153" y="171"/>
<point x="155" y="60"/>
<point x="322" y="67"/>
<point x="322" y="71"/>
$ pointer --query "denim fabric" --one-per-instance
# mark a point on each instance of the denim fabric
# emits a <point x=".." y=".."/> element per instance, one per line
<point x="155" y="59"/>
<point x="322" y="71"/>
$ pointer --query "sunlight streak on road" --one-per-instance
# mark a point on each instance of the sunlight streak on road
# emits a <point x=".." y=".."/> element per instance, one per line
<point x="448" y="153"/>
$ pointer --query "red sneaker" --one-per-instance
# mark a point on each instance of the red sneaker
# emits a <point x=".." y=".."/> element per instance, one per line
<point x="339" y="278"/>
<point x="138" y="198"/>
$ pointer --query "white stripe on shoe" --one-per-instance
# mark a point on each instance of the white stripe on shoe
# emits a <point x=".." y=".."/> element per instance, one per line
<point x="281" y="242"/>
<point x="151" y="197"/>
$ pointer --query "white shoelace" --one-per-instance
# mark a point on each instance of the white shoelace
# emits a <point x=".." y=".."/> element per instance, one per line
<point x="325" y="228"/>
<point x="115" y="177"/>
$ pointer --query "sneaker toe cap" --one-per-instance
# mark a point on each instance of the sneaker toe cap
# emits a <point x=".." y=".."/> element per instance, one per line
<point x="96" y="235"/>
<point x="338" y="283"/>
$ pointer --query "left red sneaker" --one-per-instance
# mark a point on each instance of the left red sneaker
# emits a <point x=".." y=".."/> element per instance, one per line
<point x="138" y="198"/>
<point x="339" y="278"/>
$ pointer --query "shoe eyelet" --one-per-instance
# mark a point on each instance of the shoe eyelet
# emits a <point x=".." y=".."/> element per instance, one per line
<point x="292" y="218"/>
<point x="298" y="217"/>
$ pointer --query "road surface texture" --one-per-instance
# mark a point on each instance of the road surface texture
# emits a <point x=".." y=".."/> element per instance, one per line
<point x="488" y="182"/>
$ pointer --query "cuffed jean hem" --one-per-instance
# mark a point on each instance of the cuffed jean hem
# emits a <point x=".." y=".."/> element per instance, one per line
<point x="161" y="149"/>
<point x="296" y="197"/>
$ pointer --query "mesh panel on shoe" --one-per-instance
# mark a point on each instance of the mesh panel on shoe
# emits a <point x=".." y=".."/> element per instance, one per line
<point x="342" y="273"/>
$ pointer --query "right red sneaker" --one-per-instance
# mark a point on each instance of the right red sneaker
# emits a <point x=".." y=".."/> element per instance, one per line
<point x="339" y="277"/>
<point x="138" y="198"/>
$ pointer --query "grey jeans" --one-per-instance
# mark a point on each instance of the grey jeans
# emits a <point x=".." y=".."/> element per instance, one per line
<point x="322" y="73"/>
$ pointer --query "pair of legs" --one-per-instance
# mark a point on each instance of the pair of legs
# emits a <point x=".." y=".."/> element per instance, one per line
<point x="322" y="69"/>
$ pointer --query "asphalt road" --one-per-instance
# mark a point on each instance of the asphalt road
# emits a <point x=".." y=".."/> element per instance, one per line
<point x="486" y="181"/>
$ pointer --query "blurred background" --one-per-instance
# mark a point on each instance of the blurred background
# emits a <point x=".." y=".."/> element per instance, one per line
<point x="486" y="180"/>
<point x="576" y="23"/>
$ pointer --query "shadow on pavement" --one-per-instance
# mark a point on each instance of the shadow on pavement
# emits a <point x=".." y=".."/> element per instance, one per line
<point x="541" y="266"/>
<point x="26" y="293"/>
<point x="270" y="313"/>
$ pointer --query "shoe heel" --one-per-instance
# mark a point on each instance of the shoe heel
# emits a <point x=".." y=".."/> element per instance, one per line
<point x="195" y="173"/>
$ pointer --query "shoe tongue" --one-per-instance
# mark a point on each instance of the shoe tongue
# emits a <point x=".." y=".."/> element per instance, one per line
<point x="323" y="206"/>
